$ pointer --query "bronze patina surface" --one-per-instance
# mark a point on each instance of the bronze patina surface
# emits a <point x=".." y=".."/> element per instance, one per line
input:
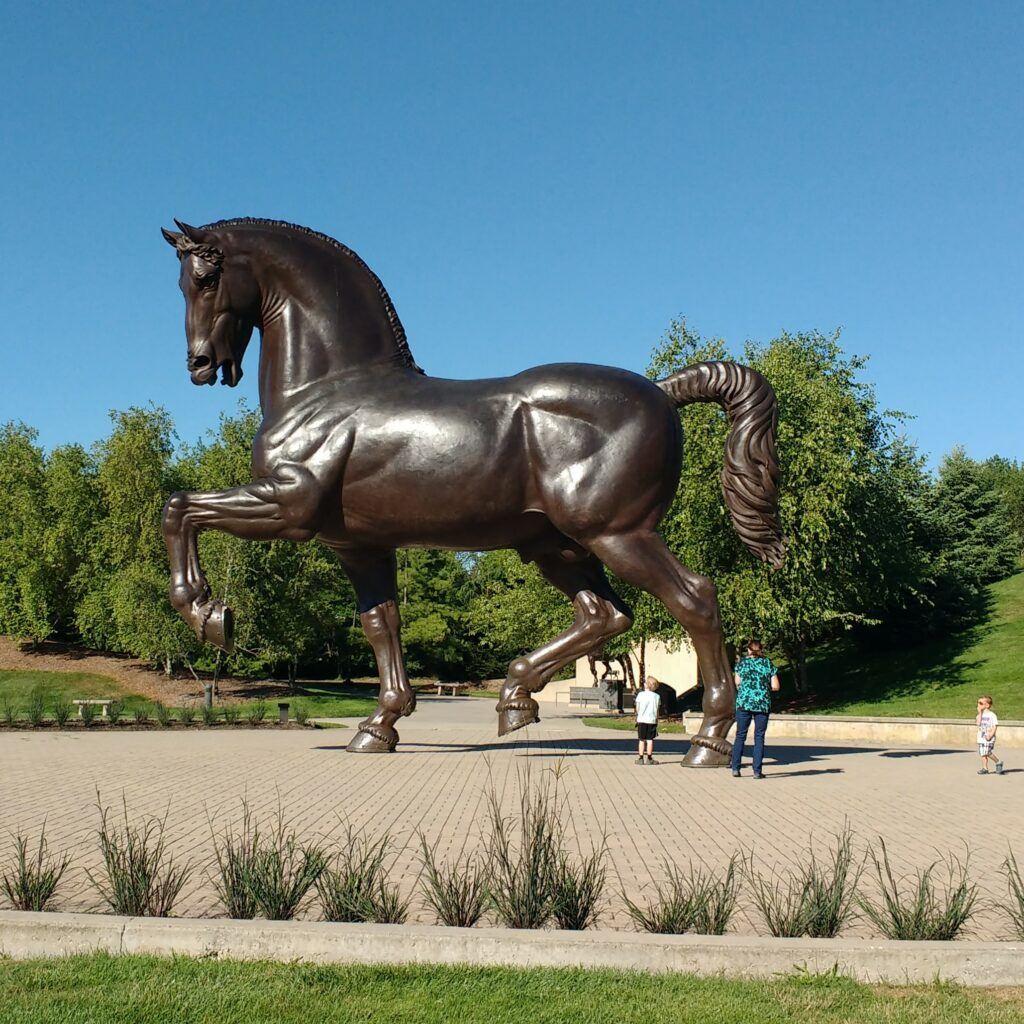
<point x="572" y="465"/>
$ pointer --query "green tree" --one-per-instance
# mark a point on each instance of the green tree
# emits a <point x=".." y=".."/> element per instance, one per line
<point x="74" y="509"/>
<point x="27" y="590"/>
<point x="843" y="503"/>
<point x="970" y="541"/>
<point x="121" y="608"/>
<point x="1007" y="479"/>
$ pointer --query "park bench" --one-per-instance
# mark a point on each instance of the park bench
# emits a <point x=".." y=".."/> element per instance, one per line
<point x="103" y="704"/>
<point x="456" y="688"/>
<point x="585" y="695"/>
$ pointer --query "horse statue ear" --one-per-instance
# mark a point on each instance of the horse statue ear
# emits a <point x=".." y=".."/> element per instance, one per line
<point x="193" y="234"/>
<point x="173" y="238"/>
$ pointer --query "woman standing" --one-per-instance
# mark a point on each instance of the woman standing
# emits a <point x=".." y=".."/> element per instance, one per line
<point x="756" y="679"/>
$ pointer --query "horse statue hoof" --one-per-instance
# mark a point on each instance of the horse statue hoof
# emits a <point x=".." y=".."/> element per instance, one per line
<point x="216" y="625"/>
<point x="373" y="739"/>
<point x="708" y="752"/>
<point x="523" y="713"/>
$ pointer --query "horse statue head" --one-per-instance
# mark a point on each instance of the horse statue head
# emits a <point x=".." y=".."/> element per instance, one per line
<point x="222" y="304"/>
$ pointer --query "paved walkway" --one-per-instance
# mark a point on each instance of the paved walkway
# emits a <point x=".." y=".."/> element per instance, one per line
<point x="924" y="802"/>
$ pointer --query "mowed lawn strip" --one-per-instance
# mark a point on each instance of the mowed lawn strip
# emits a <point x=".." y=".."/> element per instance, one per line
<point x="939" y="679"/>
<point x="145" y="990"/>
<point x="17" y="687"/>
<point x="321" y="700"/>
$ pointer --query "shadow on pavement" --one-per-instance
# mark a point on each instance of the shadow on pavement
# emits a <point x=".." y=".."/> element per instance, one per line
<point x="779" y="754"/>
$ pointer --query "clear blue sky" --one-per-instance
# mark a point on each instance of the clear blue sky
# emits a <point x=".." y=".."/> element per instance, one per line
<point x="533" y="182"/>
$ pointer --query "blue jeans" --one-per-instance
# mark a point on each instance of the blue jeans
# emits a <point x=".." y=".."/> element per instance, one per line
<point x="743" y="720"/>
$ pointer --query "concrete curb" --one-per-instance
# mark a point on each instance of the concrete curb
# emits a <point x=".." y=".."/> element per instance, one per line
<point x="24" y="935"/>
<point x="946" y="733"/>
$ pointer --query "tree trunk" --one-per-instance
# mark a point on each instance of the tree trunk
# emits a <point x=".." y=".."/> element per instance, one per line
<point x="167" y="665"/>
<point x="797" y="655"/>
<point x="643" y="662"/>
<point x="292" y="672"/>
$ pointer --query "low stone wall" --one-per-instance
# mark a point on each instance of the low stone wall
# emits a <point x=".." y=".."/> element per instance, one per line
<point x="887" y="732"/>
<point x="24" y="935"/>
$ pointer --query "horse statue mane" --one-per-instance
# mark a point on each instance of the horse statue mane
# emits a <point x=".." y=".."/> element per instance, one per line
<point x="397" y="328"/>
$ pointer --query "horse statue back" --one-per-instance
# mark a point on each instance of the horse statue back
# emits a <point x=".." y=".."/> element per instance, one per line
<point x="572" y="465"/>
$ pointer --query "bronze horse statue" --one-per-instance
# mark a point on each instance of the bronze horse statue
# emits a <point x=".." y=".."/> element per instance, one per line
<point x="572" y="465"/>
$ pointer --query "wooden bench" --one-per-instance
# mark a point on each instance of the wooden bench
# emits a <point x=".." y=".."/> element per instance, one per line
<point x="104" y="705"/>
<point x="454" y="687"/>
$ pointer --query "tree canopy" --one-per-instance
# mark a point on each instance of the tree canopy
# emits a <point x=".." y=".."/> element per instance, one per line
<point x="876" y="544"/>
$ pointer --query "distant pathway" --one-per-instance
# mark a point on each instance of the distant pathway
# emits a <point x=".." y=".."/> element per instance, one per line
<point x="924" y="802"/>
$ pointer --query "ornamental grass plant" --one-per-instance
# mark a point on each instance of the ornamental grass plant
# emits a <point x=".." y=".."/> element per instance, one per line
<point x="919" y="908"/>
<point x="140" y="878"/>
<point x="33" y="879"/>
<point x="62" y="710"/>
<point x="186" y="714"/>
<point x="355" y="887"/>
<point x="235" y="854"/>
<point x="115" y="709"/>
<point x="695" y="900"/>
<point x="36" y="708"/>
<point x="816" y="899"/>
<point x="522" y="856"/>
<point x="456" y="891"/>
<point x="577" y="886"/>
<point x="1015" y="883"/>
<point x="283" y="870"/>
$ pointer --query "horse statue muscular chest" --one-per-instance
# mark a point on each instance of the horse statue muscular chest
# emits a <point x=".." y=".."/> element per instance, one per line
<point x="572" y="465"/>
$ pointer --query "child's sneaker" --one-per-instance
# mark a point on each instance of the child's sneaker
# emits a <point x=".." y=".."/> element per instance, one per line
<point x="999" y="767"/>
<point x="983" y="771"/>
<point x="651" y="760"/>
<point x="639" y="760"/>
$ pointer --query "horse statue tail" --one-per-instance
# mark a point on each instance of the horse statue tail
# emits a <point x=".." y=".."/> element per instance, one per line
<point x="750" y="476"/>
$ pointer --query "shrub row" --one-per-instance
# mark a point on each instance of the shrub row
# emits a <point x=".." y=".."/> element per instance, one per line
<point x="525" y="875"/>
<point x="61" y="712"/>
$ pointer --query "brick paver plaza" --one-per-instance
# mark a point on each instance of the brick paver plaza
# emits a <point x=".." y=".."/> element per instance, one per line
<point x="925" y="802"/>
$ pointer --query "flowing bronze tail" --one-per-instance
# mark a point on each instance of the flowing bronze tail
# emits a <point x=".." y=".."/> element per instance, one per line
<point x="750" y="475"/>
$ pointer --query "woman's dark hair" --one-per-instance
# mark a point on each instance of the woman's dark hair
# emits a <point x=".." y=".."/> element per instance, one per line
<point x="754" y="647"/>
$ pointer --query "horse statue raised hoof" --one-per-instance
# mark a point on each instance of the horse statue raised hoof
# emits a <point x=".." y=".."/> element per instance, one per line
<point x="571" y="465"/>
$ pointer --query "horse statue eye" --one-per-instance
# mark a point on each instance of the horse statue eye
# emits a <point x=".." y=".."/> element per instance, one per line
<point x="208" y="280"/>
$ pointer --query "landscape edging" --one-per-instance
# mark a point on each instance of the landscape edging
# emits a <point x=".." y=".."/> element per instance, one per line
<point x="26" y="935"/>
<point x="952" y="733"/>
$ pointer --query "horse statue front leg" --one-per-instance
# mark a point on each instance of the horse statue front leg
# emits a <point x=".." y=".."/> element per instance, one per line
<point x="271" y="508"/>
<point x="372" y="572"/>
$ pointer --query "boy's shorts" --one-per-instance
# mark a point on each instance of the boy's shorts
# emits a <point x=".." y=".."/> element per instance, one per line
<point x="985" y="747"/>
<point x="646" y="730"/>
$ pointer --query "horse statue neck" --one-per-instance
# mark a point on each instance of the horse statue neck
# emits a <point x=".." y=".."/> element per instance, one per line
<point x="324" y="313"/>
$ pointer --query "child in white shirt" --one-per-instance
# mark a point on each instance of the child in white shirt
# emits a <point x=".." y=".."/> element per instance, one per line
<point x="987" y="725"/>
<point x="645" y="707"/>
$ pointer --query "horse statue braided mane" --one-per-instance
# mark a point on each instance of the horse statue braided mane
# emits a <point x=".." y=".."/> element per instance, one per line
<point x="392" y="314"/>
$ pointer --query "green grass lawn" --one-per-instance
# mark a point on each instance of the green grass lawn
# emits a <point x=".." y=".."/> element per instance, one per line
<point x="16" y="688"/>
<point x="626" y="723"/>
<point x="942" y="679"/>
<point x="142" y="990"/>
<point x="323" y="700"/>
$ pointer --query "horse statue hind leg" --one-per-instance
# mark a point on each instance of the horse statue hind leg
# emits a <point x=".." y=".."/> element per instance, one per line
<point x="600" y="614"/>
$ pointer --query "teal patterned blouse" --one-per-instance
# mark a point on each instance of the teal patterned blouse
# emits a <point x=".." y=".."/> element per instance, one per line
<point x="754" y="691"/>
